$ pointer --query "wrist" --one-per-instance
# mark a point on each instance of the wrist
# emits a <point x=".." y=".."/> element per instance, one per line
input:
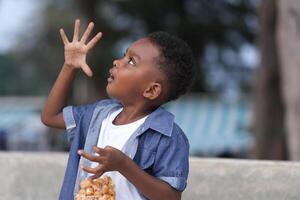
<point x="69" y="68"/>
<point x="125" y="164"/>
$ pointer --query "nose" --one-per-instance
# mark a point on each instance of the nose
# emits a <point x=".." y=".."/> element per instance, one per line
<point x="116" y="63"/>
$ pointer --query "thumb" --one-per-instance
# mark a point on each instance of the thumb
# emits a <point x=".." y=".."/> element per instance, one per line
<point x="87" y="70"/>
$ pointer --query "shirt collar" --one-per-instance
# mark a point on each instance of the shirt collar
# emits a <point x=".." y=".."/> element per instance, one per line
<point x="160" y="120"/>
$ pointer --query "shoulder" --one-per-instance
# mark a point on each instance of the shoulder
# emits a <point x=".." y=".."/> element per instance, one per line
<point x="161" y="125"/>
<point x="102" y="106"/>
<point x="178" y="132"/>
<point x="177" y="137"/>
<point x="106" y="106"/>
<point x="75" y="114"/>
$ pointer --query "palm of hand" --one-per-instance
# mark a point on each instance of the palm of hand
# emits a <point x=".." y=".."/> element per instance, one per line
<point x="75" y="54"/>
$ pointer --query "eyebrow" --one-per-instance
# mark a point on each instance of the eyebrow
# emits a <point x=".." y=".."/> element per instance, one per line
<point x="133" y="53"/>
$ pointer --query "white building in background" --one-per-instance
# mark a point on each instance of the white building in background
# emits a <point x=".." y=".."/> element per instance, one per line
<point x="214" y="127"/>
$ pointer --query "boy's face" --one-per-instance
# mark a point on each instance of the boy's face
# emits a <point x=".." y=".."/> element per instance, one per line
<point x="131" y="75"/>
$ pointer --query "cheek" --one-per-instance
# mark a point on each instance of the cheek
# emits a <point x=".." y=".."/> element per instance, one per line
<point x="132" y="86"/>
<point x="132" y="80"/>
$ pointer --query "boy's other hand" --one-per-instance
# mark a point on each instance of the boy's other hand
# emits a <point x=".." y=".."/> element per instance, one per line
<point x="75" y="51"/>
<point x="108" y="159"/>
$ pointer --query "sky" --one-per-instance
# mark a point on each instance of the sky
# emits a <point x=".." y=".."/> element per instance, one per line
<point x="15" y="16"/>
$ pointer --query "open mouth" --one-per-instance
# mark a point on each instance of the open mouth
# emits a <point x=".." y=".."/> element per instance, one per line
<point x="110" y="77"/>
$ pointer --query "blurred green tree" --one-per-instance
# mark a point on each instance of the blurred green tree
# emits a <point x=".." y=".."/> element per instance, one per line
<point x="225" y="25"/>
<point x="216" y="31"/>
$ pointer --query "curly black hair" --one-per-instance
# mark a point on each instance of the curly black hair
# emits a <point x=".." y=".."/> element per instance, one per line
<point x="176" y="62"/>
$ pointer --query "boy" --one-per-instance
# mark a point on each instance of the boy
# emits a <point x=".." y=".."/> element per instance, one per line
<point x="129" y="137"/>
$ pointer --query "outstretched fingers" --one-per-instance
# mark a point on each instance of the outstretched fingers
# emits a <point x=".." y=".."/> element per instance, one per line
<point x="94" y="41"/>
<point x="76" y="30"/>
<point x="87" y="32"/>
<point x="63" y="36"/>
<point x="77" y="49"/>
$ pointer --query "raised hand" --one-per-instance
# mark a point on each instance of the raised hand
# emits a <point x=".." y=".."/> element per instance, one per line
<point x="75" y="51"/>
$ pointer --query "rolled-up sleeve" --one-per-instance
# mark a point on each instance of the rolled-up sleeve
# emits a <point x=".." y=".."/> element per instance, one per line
<point x="72" y="116"/>
<point x="172" y="159"/>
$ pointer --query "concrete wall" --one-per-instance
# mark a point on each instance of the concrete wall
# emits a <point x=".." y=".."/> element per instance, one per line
<point x="227" y="179"/>
<point x="38" y="176"/>
<point x="31" y="176"/>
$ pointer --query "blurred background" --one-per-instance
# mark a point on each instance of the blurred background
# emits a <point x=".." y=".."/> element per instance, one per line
<point x="244" y="103"/>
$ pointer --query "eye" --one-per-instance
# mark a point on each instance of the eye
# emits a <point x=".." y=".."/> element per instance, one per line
<point x="131" y="61"/>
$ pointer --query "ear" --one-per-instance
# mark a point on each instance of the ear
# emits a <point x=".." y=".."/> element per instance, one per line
<point x="153" y="91"/>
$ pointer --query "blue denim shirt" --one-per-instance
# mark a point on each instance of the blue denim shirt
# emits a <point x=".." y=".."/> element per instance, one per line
<point x="158" y="146"/>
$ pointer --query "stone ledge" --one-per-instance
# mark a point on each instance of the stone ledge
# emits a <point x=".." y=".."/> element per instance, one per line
<point x="228" y="179"/>
<point x="30" y="176"/>
<point x="36" y="176"/>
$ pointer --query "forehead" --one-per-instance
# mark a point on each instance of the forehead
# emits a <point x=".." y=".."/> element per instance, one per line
<point x="145" y="49"/>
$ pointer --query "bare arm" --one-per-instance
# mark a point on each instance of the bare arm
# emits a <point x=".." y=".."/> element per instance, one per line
<point x="152" y="187"/>
<point x="75" y="58"/>
<point x="57" y="99"/>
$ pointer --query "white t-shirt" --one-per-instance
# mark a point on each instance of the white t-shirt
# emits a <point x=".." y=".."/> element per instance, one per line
<point x="116" y="136"/>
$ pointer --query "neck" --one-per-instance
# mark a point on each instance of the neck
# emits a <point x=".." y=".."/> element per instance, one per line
<point x="131" y="113"/>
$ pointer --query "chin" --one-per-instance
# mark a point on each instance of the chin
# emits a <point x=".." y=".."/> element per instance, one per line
<point x="110" y="93"/>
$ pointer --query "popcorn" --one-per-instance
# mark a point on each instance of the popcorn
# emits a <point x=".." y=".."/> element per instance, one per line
<point x="97" y="189"/>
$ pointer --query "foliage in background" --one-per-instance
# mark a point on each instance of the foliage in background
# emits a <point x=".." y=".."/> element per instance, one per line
<point x="218" y="32"/>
